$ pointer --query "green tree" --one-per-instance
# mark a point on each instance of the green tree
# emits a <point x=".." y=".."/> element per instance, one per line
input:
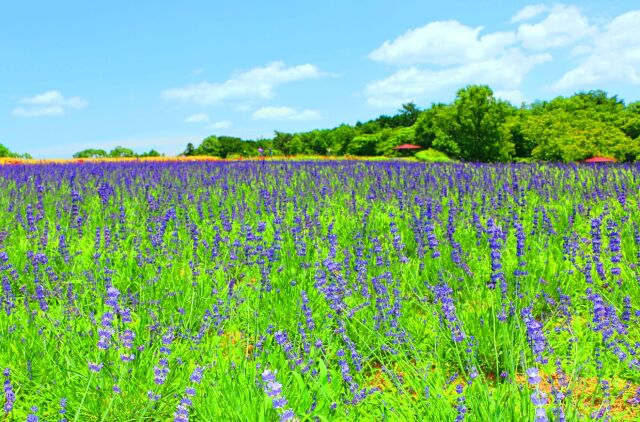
<point x="339" y="138"/>
<point x="282" y="142"/>
<point x="364" y="145"/>
<point x="319" y="141"/>
<point x="209" y="146"/>
<point x="369" y="127"/>
<point x="425" y="127"/>
<point x="90" y="153"/>
<point x="631" y="122"/>
<point x="190" y="150"/>
<point x="523" y="146"/>
<point x="597" y="102"/>
<point x="151" y="153"/>
<point x="7" y="153"/>
<point x="391" y="138"/>
<point x="479" y="125"/>
<point x="121" y="152"/>
<point x="230" y="145"/>
<point x="408" y="114"/>
<point x="564" y="136"/>
<point x="299" y="143"/>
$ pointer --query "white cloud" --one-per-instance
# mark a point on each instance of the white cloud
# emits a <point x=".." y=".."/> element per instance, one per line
<point x="563" y="26"/>
<point x="443" y="43"/>
<point x="197" y="118"/>
<point x="529" y="12"/>
<point x="49" y="103"/>
<point x="443" y="56"/>
<point x="224" y="124"/>
<point x="284" y="113"/>
<point x="614" y="56"/>
<point x="258" y="82"/>
<point x="581" y="50"/>
<point x="38" y="111"/>
<point x="505" y="73"/>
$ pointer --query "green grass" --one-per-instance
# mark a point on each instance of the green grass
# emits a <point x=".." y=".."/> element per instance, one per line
<point x="179" y="284"/>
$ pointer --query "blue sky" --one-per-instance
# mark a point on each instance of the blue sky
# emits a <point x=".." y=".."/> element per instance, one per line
<point x="80" y="74"/>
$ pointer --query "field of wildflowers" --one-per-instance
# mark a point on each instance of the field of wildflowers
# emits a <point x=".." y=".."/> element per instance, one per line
<point x="319" y="290"/>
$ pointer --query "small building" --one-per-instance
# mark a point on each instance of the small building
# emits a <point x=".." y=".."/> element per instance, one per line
<point x="407" y="148"/>
<point x="597" y="160"/>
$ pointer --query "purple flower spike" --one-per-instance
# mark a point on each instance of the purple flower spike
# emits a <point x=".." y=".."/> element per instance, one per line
<point x="533" y="377"/>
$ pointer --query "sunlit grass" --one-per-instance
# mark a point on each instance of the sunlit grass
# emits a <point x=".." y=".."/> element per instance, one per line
<point x="211" y="260"/>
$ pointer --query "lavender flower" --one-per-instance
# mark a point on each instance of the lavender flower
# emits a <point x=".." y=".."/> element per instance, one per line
<point x="32" y="417"/>
<point x="160" y="373"/>
<point x="535" y="336"/>
<point x="495" y="243"/>
<point x="273" y="389"/>
<point x="541" y="415"/>
<point x="461" y="407"/>
<point x="443" y="295"/>
<point x="63" y="408"/>
<point x="539" y="398"/>
<point x="533" y="376"/>
<point x="9" y="394"/>
<point x="181" y="414"/>
<point x="196" y="375"/>
<point x="287" y="415"/>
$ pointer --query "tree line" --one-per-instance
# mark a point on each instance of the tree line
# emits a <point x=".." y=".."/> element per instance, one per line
<point x="476" y="126"/>
<point x="7" y="153"/>
<point x="117" y="152"/>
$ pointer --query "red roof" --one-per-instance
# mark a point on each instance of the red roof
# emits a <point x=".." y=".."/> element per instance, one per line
<point x="600" y="160"/>
<point x="408" y="146"/>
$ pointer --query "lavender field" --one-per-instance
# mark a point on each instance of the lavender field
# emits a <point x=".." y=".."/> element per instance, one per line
<point x="324" y="291"/>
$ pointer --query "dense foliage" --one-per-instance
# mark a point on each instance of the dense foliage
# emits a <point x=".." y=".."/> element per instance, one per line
<point x="476" y="126"/>
<point x="320" y="291"/>
<point x="7" y="153"/>
<point x="117" y="152"/>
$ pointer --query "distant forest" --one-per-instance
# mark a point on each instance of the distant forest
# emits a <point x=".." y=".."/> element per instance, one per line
<point x="476" y="126"/>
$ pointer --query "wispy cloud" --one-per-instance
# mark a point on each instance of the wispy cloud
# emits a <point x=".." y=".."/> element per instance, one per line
<point x="406" y="85"/>
<point x="37" y="111"/>
<point x="285" y="113"/>
<point x="50" y="103"/>
<point x="443" y="43"/>
<point x="562" y="26"/>
<point x="612" y="56"/>
<point x="223" y="124"/>
<point x="443" y="55"/>
<point x="197" y="118"/>
<point x="529" y="12"/>
<point x="257" y="83"/>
